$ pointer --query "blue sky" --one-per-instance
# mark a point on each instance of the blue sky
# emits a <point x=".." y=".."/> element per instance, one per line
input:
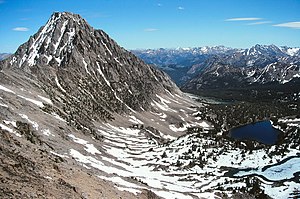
<point x="162" y="23"/>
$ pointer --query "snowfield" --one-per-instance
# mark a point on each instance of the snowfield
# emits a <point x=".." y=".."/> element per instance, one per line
<point x="284" y="171"/>
<point x="170" y="150"/>
<point x="136" y="157"/>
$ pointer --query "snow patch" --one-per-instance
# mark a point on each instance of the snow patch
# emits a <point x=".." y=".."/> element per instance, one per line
<point x="10" y="123"/>
<point x="47" y="132"/>
<point x="135" y="120"/>
<point x="3" y="105"/>
<point x="292" y="51"/>
<point x="177" y="129"/>
<point x="59" y="155"/>
<point x="78" y="140"/>
<point x="162" y="106"/>
<point x="58" y="117"/>
<point x="46" y="99"/>
<point x="88" y="147"/>
<point x="59" y="86"/>
<point x="48" y="177"/>
<point x="36" y="102"/>
<point x="134" y="191"/>
<point x="6" y="89"/>
<point x="279" y="172"/>
<point x="34" y="124"/>
<point x="163" y="100"/>
<point x="9" y="130"/>
<point x="102" y="75"/>
<point x="203" y="124"/>
<point x="85" y="66"/>
<point x="63" y="28"/>
<point x="116" y="59"/>
<point x="104" y="44"/>
<point x="121" y="182"/>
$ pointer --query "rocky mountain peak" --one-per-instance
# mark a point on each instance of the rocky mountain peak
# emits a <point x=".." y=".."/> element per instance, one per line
<point x="263" y="50"/>
<point x="63" y="35"/>
<point x="87" y="70"/>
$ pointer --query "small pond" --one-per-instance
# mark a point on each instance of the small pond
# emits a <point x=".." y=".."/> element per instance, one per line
<point x="262" y="132"/>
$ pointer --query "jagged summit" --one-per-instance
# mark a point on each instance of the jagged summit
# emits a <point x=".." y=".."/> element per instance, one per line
<point x="95" y="76"/>
<point x="64" y="34"/>
<point x="264" y="50"/>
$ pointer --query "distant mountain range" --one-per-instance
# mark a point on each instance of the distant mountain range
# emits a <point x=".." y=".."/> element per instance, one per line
<point x="217" y="70"/>
<point x="4" y="55"/>
<point x="260" y="63"/>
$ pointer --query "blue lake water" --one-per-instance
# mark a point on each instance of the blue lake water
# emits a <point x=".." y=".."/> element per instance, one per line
<point x="262" y="132"/>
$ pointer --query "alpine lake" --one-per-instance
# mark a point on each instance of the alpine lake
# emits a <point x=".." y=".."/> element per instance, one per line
<point x="262" y="132"/>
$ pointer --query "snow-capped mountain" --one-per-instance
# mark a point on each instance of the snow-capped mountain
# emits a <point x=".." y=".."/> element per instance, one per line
<point x="224" y="76"/>
<point x="181" y="56"/>
<point x="68" y="55"/>
<point x="165" y="56"/>
<point x="260" y="64"/>
<point x="290" y="51"/>
<point x="180" y="63"/>
<point x="252" y="69"/>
